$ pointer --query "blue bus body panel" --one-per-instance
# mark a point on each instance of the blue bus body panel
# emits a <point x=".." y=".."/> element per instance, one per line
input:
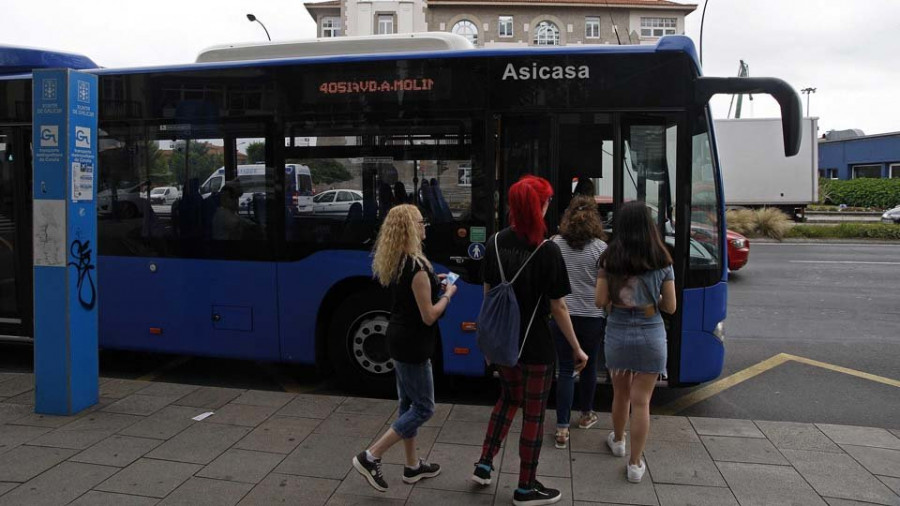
<point x="304" y="284"/>
<point x="22" y="60"/>
<point x="702" y="353"/>
<point x="183" y="295"/>
<point x="181" y="298"/>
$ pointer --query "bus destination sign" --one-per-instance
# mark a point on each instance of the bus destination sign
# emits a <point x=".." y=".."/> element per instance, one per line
<point x="357" y="87"/>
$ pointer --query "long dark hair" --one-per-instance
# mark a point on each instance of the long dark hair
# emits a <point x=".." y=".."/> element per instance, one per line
<point x="581" y="223"/>
<point x="636" y="247"/>
<point x="526" y="201"/>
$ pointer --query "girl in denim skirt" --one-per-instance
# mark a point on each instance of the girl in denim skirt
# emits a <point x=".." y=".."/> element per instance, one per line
<point x="635" y="282"/>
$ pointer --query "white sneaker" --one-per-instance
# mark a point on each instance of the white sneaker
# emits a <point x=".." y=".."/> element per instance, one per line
<point x="617" y="447"/>
<point x="635" y="473"/>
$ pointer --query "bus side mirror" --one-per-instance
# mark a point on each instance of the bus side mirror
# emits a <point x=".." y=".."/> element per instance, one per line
<point x="791" y="108"/>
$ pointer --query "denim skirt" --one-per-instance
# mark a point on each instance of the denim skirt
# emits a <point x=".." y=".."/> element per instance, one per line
<point x="635" y="342"/>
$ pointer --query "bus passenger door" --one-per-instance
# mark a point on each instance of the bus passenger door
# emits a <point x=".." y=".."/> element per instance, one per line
<point x="525" y="147"/>
<point x="648" y="163"/>
<point x="585" y="161"/>
<point x="15" y="233"/>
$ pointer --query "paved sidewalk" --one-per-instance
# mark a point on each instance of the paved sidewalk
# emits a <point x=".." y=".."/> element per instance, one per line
<point x="140" y="446"/>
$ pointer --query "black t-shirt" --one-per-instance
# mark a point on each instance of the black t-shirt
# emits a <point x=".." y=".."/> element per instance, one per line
<point x="408" y="338"/>
<point x="545" y="277"/>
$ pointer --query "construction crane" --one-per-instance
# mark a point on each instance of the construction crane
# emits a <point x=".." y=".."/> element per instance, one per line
<point x="743" y="71"/>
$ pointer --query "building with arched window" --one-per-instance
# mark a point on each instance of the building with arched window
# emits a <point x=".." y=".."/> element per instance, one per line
<point x="497" y="23"/>
<point x="546" y="33"/>
<point x="467" y="29"/>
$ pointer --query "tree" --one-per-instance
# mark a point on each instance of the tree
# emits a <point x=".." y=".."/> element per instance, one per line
<point x="201" y="163"/>
<point x="326" y="170"/>
<point x="256" y="152"/>
<point x="160" y="172"/>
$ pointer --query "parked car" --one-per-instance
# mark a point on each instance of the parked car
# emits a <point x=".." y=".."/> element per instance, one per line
<point x="164" y="195"/>
<point x="127" y="199"/>
<point x="336" y="202"/>
<point x="738" y="250"/>
<point x="737" y="245"/>
<point x="891" y="215"/>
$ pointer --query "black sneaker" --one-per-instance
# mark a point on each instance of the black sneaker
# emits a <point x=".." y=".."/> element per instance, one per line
<point x="482" y="474"/>
<point x="425" y="470"/>
<point x="371" y="471"/>
<point x="536" y="496"/>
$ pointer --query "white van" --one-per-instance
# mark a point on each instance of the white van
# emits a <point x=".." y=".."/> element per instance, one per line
<point x="252" y="178"/>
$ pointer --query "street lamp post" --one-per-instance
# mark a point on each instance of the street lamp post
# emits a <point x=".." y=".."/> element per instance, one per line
<point x="252" y="18"/>
<point x="702" y="19"/>
<point x="808" y="92"/>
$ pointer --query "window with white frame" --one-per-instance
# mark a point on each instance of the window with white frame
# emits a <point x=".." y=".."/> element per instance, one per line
<point x="331" y="26"/>
<point x="467" y="29"/>
<point x="592" y="27"/>
<point x="828" y="173"/>
<point x="657" y="27"/>
<point x="464" y="174"/>
<point x="866" y="171"/>
<point x="385" y="24"/>
<point x="505" y="26"/>
<point x="895" y="171"/>
<point x="546" y="34"/>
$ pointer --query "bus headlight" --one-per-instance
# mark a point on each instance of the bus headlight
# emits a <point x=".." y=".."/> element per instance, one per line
<point x="719" y="331"/>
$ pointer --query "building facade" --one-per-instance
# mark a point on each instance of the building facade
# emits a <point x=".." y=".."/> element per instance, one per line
<point x="499" y="23"/>
<point x="865" y="156"/>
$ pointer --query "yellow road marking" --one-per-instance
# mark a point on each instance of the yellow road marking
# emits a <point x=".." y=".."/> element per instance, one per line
<point x="739" y="377"/>
<point x="846" y="370"/>
<point x="164" y="369"/>
<point x="723" y="384"/>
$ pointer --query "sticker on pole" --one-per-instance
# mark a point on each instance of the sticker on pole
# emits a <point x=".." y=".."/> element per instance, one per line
<point x="82" y="181"/>
<point x="476" y="251"/>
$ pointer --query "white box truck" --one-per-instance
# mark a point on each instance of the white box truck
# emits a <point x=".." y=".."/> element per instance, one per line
<point x="755" y="171"/>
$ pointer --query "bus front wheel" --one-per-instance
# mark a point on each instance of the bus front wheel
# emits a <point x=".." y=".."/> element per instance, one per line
<point x="358" y="343"/>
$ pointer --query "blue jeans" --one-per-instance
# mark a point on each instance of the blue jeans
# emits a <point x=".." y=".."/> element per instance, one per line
<point x="590" y="333"/>
<point x="415" y="389"/>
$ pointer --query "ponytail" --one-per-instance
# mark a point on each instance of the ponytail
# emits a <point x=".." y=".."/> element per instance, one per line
<point x="526" y="201"/>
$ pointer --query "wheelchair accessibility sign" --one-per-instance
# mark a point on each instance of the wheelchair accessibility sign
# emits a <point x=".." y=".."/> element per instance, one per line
<point x="476" y="251"/>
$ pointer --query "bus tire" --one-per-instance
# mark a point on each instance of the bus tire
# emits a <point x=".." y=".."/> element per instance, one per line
<point x="357" y="344"/>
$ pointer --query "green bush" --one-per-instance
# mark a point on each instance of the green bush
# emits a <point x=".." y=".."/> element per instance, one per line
<point x="847" y="231"/>
<point x="880" y="193"/>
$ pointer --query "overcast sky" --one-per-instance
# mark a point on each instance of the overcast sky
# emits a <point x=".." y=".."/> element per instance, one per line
<point x="847" y="49"/>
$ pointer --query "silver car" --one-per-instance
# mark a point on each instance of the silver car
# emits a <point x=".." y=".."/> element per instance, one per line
<point x="336" y="202"/>
<point x="891" y="215"/>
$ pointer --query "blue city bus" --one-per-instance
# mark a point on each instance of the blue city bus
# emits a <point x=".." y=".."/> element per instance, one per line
<point x="447" y="129"/>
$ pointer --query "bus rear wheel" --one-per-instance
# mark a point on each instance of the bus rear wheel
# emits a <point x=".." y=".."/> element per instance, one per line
<point x="357" y="343"/>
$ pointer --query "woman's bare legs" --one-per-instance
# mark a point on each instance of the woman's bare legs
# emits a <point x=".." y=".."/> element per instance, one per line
<point x="385" y="442"/>
<point x="409" y="446"/>
<point x="621" y="397"/>
<point x="641" y="391"/>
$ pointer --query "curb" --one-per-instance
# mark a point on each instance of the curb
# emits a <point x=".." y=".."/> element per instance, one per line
<point x="823" y="241"/>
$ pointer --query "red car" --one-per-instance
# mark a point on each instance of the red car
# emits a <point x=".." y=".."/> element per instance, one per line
<point x="738" y="250"/>
<point x="738" y="245"/>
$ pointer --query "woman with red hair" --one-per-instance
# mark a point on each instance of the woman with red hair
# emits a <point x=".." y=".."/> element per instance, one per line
<point x="540" y="291"/>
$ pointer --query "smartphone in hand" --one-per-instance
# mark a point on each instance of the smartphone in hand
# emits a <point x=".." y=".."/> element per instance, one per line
<point x="451" y="278"/>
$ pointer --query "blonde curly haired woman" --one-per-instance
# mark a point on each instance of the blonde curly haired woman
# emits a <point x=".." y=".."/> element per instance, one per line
<point x="412" y="333"/>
